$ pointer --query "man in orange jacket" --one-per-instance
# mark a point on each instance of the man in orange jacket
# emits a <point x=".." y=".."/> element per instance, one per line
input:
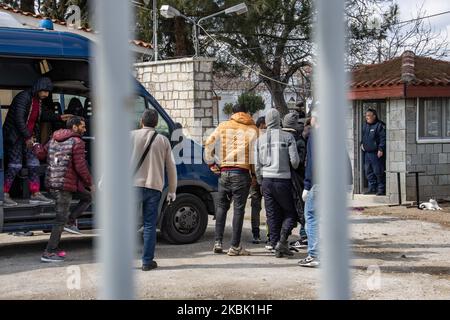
<point x="230" y="147"/>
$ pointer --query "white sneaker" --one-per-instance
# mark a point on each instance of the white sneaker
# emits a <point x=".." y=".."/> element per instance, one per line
<point x="39" y="198"/>
<point x="73" y="229"/>
<point x="7" y="201"/>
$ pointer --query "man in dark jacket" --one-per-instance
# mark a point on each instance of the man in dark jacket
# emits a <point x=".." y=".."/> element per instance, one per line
<point x="67" y="175"/>
<point x="373" y="145"/>
<point x="291" y="124"/>
<point x="255" y="194"/>
<point x="19" y="131"/>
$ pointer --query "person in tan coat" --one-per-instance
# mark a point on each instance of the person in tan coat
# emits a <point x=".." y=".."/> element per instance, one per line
<point x="149" y="178"/>
<point x="229" y="148"/>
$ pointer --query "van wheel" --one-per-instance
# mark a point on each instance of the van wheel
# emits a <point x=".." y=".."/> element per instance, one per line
<point x="185" y="220"/>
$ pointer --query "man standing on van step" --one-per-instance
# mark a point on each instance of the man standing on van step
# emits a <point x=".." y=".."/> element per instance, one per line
<point x="151" y="156"/>
<point x="19" y="131"/>
<point x="232" y="142"/>
<point x="67" y="175"/>
<point x="373" y="145"/>
<point x="275" y="154"/>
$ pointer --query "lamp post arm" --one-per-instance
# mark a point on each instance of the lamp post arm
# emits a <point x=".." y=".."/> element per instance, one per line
<point x="210" y="16"/>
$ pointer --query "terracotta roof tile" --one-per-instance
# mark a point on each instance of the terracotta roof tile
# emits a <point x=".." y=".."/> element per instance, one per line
<point x="427" y="71"/>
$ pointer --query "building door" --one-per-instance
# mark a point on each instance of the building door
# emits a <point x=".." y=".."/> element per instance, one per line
<point x="361" y="183"/>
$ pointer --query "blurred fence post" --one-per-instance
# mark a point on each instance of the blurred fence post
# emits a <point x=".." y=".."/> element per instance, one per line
<point x="332" y="168"/>
<point x="112" y="95"/>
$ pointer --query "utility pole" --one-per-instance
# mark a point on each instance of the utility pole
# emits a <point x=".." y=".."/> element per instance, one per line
<point x="113" y="118"/>
<point x="333" y="177"/>
<point x="155" y="30"/>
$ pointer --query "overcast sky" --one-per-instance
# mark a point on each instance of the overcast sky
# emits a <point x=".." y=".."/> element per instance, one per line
<point x="409" y="8"/>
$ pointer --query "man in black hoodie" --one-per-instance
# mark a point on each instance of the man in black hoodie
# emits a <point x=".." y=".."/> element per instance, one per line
<point x="291" y="124"/>
<point x="20" y="131"/>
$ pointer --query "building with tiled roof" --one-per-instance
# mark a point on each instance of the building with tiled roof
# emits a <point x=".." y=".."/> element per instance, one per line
<point x="412" y="96"/>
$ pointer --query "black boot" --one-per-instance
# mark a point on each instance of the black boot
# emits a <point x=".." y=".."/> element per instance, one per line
<point x="282" y="247"/>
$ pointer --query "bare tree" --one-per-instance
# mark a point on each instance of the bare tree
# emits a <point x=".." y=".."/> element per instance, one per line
<point x="389" y="38"/>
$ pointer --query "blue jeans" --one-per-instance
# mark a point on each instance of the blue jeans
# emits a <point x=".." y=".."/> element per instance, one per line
<point x="150" y="202"/>
<point x="312" y="223"/>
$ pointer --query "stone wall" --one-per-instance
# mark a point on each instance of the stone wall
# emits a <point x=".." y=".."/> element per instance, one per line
<point x="433" y="158"/>
<point x="350" y="140"/>
<point x="396" y="148"/>
<point x="184" y="88"/>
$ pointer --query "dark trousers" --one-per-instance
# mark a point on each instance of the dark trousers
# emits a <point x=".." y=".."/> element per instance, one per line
<point x="64" y="216"/>
<point x="233" y="186"/>
<point x="15" y="155"/>
<point x="280" y="208"/>
<point x="374" y="168"/>
<point x="150" y="203"/>
<point x="256" y="198"/>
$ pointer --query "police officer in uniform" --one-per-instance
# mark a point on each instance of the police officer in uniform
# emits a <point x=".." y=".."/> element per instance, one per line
<point x="373" y="145"/>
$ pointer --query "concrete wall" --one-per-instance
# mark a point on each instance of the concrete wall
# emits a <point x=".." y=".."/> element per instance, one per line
<point x="184" y="88"/>
<point x="433" y="158"/>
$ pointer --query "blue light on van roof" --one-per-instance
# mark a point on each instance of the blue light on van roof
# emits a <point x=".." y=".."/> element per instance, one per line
<point x="46" y="24"/>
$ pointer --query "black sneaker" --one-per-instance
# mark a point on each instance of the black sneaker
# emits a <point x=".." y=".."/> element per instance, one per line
<point x="256" y="240"/>
<point x="51" y="257"/>
<point x="299" y="244"/>
<point x="147" y="267"/>
<point x="218" y="247"/>
<point x="309" y="262"/>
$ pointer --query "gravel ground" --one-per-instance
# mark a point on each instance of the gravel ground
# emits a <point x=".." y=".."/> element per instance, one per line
<point x="393" y="258"/>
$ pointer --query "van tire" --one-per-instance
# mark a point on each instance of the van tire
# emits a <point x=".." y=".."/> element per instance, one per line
<point x="185" y="220"/>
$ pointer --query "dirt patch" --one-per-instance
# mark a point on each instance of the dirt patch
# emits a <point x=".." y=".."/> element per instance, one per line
<point x="440" y="217"/>
<point x="392" y="258"/>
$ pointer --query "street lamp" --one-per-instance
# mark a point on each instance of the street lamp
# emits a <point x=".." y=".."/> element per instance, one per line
<point x="170" y="13"/>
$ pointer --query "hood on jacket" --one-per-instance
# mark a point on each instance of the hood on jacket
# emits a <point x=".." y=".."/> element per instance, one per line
<point x="290" y="121"/>
<point x="273" y="119"/>
<point x="42" y="84"/>
<point x="64" y="134"/>
<point x="243" y="118"/>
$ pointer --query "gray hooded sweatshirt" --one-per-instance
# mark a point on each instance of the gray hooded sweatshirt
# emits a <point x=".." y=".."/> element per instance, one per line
<point x="275" y="151"/>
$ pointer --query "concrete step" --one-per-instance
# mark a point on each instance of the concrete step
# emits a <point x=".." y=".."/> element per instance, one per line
<point x="365" y="201"/>
<point x="371" y="198"/>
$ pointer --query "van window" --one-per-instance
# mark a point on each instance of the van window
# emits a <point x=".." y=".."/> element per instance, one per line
<point x="139" y="107"/>
<point x="162" y="127"/>
<point x="68" y="98"/>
